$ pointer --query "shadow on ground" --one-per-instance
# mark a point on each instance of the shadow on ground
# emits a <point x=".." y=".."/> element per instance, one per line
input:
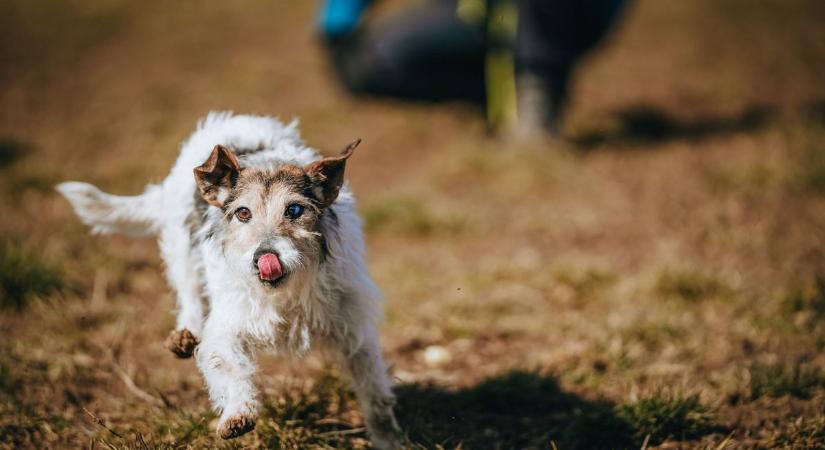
<point x="643" y="124"/>
<point x="516" y="410"/>
<point x="646" y="124"/>
<point x="10" y="151"/>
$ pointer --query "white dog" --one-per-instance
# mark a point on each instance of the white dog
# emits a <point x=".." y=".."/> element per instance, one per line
<point x="267" y="232"/>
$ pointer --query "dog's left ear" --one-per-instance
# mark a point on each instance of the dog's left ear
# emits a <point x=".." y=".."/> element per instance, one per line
<point x="327" y="175"/>
<point x="216" y="177"/>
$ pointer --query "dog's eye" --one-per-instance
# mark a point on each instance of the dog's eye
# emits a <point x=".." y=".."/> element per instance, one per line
<point x="243" y="214"/>
<point x="294" y="211"/>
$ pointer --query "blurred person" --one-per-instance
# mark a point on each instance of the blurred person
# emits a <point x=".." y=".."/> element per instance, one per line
<point x="511" y="57"/>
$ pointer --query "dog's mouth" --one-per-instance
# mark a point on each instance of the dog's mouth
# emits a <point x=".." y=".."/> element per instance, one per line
<point x="269" y="270"/>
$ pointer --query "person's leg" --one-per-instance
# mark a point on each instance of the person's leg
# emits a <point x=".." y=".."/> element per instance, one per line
<point x="552" y="36"/>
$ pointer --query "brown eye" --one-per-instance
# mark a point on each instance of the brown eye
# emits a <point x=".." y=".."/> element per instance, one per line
<point x="243" y="214"/>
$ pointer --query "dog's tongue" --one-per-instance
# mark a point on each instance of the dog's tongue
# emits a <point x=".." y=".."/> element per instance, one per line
<point x="269" y="267"/>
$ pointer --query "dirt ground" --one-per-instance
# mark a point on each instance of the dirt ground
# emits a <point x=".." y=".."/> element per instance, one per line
<point x="654" y="279"/>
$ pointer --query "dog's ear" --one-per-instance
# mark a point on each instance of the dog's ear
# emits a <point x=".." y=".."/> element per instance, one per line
<point x="217" y="175"/>
<point x="327" y="175"/>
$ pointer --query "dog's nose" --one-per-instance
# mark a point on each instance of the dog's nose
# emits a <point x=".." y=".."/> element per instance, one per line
<point x="260" y="252"/>
<point x="268" y="265"/>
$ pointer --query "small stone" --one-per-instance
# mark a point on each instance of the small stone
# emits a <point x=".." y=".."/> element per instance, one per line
<point x="436" y="355"/>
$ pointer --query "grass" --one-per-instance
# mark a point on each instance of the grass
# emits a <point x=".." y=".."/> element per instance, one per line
<point x="800" y="433"/>
<point x="185" y="429"/>
<point x="754" y="181"/>
<point x="19" y="427"/>
<point x="586" y="284"/>
<point x="23" y="180"/>
<point x="690" y="285"/>
<point x="776" y="380"/>
<point x="800" y="167"/>
<point x="664" y="416"/>
<point x="513" y="410"/>
<point x="54" y="40"/>
<point x="654" y="336"/>
<point x="407" y="216"/>
<point x="24" y="421"/>
<point x="807" y="141"/>
<point x="806" y="296"/>
<point x="311" y="416"/>
<point x="25" y="276"/>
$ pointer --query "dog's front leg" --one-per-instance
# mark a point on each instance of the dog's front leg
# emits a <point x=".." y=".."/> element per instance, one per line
<point x="228" y="368"/>
<point x="372" y="386"/>
<point x="177" y="251"/>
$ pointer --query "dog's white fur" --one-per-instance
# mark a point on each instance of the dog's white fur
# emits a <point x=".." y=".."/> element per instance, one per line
<point x="334" y="302"/>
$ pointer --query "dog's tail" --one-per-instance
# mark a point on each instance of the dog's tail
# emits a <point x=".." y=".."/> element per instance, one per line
<point x="107" y="213"/>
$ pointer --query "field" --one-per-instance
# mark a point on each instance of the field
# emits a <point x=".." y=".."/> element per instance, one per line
<point x="655" y="278"/>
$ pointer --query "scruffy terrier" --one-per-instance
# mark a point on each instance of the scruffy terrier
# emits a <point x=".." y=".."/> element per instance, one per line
<point x="267" y="232"/>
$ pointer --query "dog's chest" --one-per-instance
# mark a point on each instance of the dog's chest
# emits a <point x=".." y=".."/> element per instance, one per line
<point x="289" y="323"/>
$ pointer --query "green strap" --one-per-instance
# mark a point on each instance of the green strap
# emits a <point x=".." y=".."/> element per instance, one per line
<point x="501" y="18"/>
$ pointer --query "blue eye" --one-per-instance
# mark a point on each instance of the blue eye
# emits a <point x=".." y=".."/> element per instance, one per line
<point x="294" y="211"/>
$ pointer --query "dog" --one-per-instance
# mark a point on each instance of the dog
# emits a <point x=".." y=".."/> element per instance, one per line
<point x="265" y="234"/>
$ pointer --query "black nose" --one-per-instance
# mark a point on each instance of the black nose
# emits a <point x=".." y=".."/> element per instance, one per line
<point x="260" y="252"/>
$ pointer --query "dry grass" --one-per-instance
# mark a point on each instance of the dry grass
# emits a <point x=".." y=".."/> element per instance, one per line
<point x="24" y="277"/>
<point x="657" y="275"/>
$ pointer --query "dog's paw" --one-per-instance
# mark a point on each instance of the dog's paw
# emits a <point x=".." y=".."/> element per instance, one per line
<point x="391" y="440"/>
<point x="385" y="432"/>
<point x="236" y="425"/>
<point x="182" y="343"/>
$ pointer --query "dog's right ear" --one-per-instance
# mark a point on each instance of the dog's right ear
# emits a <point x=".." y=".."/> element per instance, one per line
<point x="217" y="175"/>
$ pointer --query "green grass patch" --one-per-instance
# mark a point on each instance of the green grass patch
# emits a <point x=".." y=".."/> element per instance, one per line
<point x="19" y="426"/>
<point x="753" y="180"/>
<point x="504" y="171"/>
<point x="585" y="284"/>
<point x="807" y="142"/>
<point x="654" y="335"/>
<point x="664" y="416"/>
<point x="777" y="380"/>
<point x="801" y="433"/>
<point x="406" y="215"/>
<point x="806" y="296"/>
<point x="185" y="430"/>
<point x="690" y="285"/>
<point x="305" y="416"/>
<point x="299" y="415"/>
<point x="24" y="276"/>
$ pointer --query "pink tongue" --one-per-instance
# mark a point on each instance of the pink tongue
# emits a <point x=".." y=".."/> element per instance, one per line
<point x="269" y="267"/>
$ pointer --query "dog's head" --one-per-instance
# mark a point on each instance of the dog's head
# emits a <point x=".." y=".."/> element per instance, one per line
<point x="270" y="228"/>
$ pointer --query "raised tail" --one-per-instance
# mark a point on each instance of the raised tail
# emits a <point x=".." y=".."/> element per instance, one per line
<point x="107" y="213"/>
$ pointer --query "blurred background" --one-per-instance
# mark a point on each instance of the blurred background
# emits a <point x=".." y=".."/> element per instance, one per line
<point x="649" y="269"/>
